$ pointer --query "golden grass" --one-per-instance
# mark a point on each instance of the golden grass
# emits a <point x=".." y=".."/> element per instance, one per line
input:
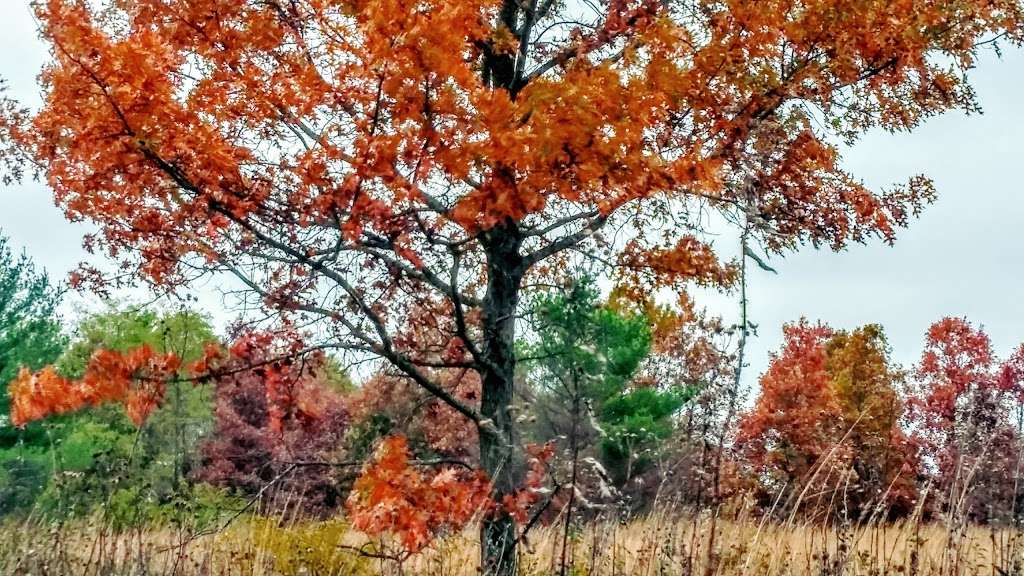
<point x="656" y="545"/>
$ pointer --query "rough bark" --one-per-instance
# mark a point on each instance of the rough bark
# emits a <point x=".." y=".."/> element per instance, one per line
<point x="505" y="268"/>
<point x="497" y="453"/>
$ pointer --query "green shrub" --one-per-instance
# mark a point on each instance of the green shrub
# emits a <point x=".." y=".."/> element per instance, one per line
<point x="23" y="476"/>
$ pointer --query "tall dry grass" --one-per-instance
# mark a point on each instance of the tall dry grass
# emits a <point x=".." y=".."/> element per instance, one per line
<point x="658" y="544"/>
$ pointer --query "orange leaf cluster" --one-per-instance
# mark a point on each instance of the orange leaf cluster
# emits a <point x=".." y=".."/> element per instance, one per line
<point x="643" y="269"/>
<point x="136" y="378"/>
<point x="393" y="496"/>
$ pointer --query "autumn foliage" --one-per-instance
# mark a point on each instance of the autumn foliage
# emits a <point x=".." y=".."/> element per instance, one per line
<point x="960" y="412"/>
<point x="124" y="126"/>
<point x="270" y="419"/>
<point x="794" y="421"/>
<point x="828" y="419"/>
<point x="349" y="161"/>
<point x="393" y="496"/>
<point x="402" y="407"/>
<point x="137" y="378"/>
<point x="418" y="501"/>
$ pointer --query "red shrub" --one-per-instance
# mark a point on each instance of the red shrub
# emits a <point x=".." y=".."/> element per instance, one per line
<point x="276" y="421"/>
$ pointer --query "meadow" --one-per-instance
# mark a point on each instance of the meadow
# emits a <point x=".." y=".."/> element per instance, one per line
<point x="656" y="544"/>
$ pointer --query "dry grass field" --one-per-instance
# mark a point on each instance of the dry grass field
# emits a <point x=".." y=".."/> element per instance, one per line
<point x="655" y="545"/>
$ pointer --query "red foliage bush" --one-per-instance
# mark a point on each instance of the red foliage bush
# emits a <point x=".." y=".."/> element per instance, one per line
<point x="276" y="422"/>
<point x="960" y="413"/>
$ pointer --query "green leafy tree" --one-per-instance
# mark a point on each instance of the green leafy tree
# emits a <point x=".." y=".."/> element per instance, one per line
<point x="98" y="444"/>
<point x="30" y="337"/>
<point x="184" y="333"/>
<point x="582" y="366"/>
<point x="634" y="422"/>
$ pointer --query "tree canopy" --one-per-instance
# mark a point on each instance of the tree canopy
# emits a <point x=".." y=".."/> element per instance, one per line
<point x="828" y="418"/>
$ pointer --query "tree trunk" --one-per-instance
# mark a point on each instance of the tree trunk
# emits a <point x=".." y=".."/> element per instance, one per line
<point x="497" y="450"/>
<point x="504" y="274"/>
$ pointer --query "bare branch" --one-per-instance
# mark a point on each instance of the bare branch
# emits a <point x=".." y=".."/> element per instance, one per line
<point x="565" y="242"/>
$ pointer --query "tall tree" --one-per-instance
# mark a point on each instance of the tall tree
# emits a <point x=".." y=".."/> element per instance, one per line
<point x="866" y="385"/>
<point x="961" y="413"/>
<point x="828" y="419"/>
<point x="794" y="420"/>
<point x="582" y="365"/>
<point x="348" y="159"/>
<point x="30" y="333"/>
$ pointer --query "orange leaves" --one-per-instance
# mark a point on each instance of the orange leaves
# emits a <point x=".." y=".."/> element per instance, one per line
<point x="136" y="378"/>
<point x="393" y="496"/>
<point x="212" y="352"/>
<point x="179" y="127"/>
<point x="796" y="403"/>
<point x="956" y="351"/>
<point x="112" y="126"/>
<point x="397" y="496"/>
<point x="37" y="395"/>
<point x="503" y="41"/>
<point x="689" y="260"/>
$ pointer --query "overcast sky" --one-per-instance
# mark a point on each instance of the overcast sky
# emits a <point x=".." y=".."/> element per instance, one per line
<point x="960" y="258"/>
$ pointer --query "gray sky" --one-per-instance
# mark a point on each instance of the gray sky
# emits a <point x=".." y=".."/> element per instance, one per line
<point x="959" y="259"/>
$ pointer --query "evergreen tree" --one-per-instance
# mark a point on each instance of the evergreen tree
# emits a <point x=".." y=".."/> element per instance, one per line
<point x="583" y="364"/>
